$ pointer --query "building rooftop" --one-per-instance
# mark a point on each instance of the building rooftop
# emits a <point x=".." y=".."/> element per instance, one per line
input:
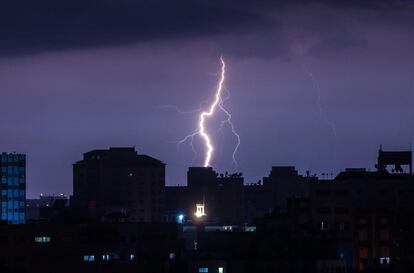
<point x="120" y="156"/>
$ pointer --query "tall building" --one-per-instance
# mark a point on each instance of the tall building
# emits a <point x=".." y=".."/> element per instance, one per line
<point x="119" y="182"/>
<point x="283" y="183"/>
<point x="373" y="210"/>
<point x="13" y="188"/>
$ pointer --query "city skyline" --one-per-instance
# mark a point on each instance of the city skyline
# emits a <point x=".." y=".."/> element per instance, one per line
<point x="207" y="136"/>
<point x="294" y="70"/>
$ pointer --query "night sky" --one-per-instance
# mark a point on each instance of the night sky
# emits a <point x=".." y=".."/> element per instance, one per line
<point x="86" y="74"/>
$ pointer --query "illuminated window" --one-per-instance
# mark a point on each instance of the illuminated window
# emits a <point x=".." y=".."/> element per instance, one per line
<point x="220" y="270"/>
<point x="42" y="239"/>
<point x="200" y="211"/>
<point x="250" y="229"/>
<point x="110" y="257"/>
<point x="203" y="270"/>
<point x="131" y="257"/>
<point x="384" y="260"/>
<point x="172" y="255"/>
<point x="88" y="258"/>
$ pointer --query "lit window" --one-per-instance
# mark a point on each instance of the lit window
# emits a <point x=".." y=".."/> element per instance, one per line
<point x="220" y="270"/>
<point x="250" y="229"/>
<point x="131" y="257"/>
<point x="110" y="257"/>
<point x="199" y="211"/>
<point x="384" y="260"/>
<point x="172" y="255"/>
<point x="203" y="270"/>
<point x="88" y="258"/>
<point x="42" y="239"/>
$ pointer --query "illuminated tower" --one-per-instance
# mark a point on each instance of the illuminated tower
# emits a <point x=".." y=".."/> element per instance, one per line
<point x="13" y="188"/>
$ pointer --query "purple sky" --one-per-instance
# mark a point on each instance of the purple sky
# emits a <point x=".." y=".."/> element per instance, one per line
<point x="83" y="75"/>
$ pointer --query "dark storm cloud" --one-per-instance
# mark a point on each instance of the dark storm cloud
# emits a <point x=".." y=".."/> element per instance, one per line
<point x="28" y="26"/>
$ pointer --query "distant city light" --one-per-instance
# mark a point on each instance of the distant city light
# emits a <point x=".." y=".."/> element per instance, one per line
<point x="88" y="258"/>
<point x="180" y="218"/>
<point x="42" y="239"/>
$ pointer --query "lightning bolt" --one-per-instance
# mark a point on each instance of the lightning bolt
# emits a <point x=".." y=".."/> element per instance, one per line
<point x="202" y="131"/>
<point x="217" y="104"/>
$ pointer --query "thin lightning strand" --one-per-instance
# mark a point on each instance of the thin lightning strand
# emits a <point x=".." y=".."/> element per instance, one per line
<point x="209" y="113"/>
<point x="318" y="101"/>
<point x="233" y="130"/>
<point x="321" y="112"/>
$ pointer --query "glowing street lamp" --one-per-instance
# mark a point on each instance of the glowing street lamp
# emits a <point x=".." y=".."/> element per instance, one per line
<point x="180" y="218"/>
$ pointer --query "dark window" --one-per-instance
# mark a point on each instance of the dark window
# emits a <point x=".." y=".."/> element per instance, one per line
<point x="323" y="210"/>
<point x="323" y="192"/>
<point x="341" y="210"/>
<point x="342" y="193"/>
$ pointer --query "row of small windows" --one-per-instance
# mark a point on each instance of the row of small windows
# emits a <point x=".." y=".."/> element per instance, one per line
<point x="14" y="218"/>
<point x="205" y="270"/>
<point x="10" y="180"/>
<point x="42" y="239"/>
<point x="107" y="257"/>
<point x="5" y="210"/>
<point x="15" y="193"/>
<point x="12" y="168"/>
<point x="11" y="158"/>
<point x="11" y="204"/>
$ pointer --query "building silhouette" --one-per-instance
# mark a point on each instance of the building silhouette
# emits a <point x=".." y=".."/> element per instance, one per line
<point x="372" y="210"/>
<point x="13" y="188"/>
<point x="119" y="183"/>
<point x="358" y="221"/>
<point x="228" y="200"/>
<point x="221" y="195"/>
<point x="45" y="207"/>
